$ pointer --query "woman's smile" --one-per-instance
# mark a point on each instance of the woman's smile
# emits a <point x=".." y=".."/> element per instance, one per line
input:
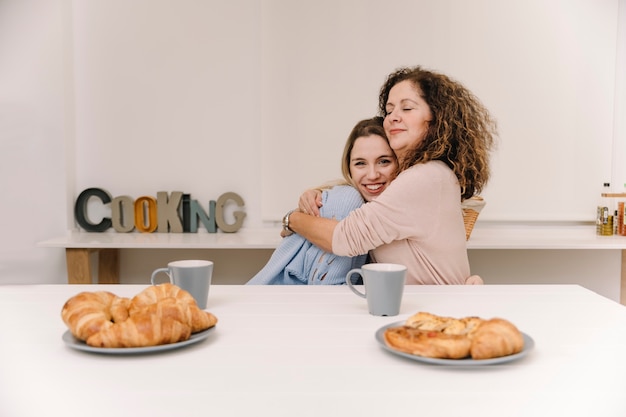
<point x="372" y="165"/>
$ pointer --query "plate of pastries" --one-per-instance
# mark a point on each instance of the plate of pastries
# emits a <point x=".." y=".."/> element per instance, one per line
<point x="161" y="317"/>
<point x="440" y="340"/>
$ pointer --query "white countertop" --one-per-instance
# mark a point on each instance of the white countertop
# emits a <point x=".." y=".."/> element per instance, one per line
<point x="484" y="236"/>
<point x="541" y="236"/>
<point x="311" y="351"/>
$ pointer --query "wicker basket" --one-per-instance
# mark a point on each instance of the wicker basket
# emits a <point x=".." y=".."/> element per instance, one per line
<point x="471" y="210"/>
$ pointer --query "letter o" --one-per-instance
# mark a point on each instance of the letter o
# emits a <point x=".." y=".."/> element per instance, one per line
<point x="123" y="214"/>
<point x="146" y="206"/>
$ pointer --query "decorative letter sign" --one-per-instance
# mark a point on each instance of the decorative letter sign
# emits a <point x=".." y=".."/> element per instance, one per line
<point x="239" y="215"/>
<point x="80" y="210"/>
<point x="175" y="212"/>
<point x="169" y="220"/>
<point x="123" y="214"/>
<point x="146" y="214"/>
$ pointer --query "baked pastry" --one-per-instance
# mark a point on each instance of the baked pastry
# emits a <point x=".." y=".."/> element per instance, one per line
<point x="198" y="319"/>
<point x="447" y="325"/>
<point x="495" y="338"/>
<point x="428" y="343"/>
<point x="154" y="293"/>
<point x="158" y="324"/>
<point x="433" y="336"/>
<point x="158" y="315"/>
<point x="87" y="313"/>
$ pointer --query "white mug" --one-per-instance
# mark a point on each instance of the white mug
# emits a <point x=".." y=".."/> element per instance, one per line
<point x="193" y="276"/>
<point x="384" y="286"/>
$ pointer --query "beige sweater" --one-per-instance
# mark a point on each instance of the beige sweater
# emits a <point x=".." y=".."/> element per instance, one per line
<point x="417" y="221"/>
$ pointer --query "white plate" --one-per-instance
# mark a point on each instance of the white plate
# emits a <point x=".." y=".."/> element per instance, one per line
<point x="78" y="344"/>
<point x="529" y="343"/>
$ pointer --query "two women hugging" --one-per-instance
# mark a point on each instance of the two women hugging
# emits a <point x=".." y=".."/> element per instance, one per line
<point x="414" y="165"/>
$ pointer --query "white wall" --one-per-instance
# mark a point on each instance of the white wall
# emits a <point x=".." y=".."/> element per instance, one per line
<point x="178" y="96"/>
<point x="206" y="97"/>
<point x="169" y="99"/>
<point x="546" y="70"/>
<point x="32" y="137"/>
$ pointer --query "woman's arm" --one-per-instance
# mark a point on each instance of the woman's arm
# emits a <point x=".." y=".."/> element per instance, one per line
<point x="317" y="230"/>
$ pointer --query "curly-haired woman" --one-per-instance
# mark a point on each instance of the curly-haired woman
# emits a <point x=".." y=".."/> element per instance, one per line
<point x="442" y="136"/>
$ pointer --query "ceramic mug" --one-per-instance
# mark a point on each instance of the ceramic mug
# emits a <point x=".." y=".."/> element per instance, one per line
<point x="384" y="286"/>
<point x="193" y="276"/>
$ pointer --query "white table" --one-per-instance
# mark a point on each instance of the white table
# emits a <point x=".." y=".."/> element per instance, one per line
<point x="310" y="351"/>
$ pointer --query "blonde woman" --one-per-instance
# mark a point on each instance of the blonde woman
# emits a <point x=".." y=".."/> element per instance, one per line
<point x="368" y="167"/>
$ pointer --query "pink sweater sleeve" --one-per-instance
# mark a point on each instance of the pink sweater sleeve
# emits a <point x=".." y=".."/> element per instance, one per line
<point x="410" y="207"/>
<point x="417" y="221"/>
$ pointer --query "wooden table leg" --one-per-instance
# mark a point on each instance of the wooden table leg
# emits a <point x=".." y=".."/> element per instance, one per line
<point x="109" y="266"/>
<point x="78" y="266"/>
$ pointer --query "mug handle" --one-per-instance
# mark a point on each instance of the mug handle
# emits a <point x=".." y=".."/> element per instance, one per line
<point x="156" y="271"/>
<point x="349" y="281"/>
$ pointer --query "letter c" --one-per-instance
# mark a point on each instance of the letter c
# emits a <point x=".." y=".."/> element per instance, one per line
<point x="80" y="210"/>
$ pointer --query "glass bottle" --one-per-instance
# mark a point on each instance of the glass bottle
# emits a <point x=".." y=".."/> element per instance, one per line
<point x="604" y="220"/>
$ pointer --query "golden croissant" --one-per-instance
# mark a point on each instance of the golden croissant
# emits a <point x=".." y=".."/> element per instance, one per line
<point x="495" y="338"/>
<point x="154" y="293"/>
<point x="158" y="324"/>
<point x="158" y="315"/>
<point x="198" y="319"/>
<point x="87" y="313"/>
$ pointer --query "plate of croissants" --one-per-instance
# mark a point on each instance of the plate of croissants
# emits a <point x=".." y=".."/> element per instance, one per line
<point x="161" y="317"/>
<point x="429" y="338"/>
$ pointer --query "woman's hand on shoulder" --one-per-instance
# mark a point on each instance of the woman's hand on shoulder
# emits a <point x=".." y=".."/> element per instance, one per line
<point x="310" y="202"/>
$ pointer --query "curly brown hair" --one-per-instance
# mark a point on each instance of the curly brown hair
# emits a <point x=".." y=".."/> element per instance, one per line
<point x="462" y="133"/>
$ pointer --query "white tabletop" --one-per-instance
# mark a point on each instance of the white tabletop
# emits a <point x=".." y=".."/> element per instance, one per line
<point x="311" y="351"/>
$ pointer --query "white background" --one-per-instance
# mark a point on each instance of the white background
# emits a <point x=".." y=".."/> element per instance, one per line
<point x="258" y="96"/>
<point x="546" y="69"/>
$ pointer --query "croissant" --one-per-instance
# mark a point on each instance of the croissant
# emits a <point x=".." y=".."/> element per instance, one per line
<point x="87" y="313"/>
<point x="198" y="319"/>
<point x="154" y="293"/>
<point x="160" y="323"/>
<point x="495" y="338"/>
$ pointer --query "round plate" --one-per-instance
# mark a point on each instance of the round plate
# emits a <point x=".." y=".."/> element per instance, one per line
<point x="78" y="344"/>
<point x="529" y="343"/>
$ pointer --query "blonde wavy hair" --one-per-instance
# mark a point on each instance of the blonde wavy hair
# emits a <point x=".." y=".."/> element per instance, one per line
<point x="462" y="133"/>
<point x="364" y="128"/>
<point x="367" y="127"/>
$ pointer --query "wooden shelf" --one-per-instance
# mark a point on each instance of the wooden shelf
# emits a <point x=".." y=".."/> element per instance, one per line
<point x="544" y="236"/>
<point x="79" y="246"/>
<point x="484" y="236"/>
